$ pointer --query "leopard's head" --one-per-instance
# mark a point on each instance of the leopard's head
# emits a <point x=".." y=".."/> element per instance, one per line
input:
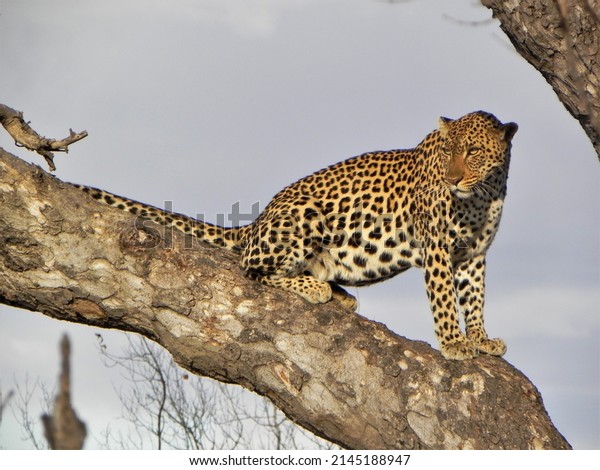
<point x="475" y="152"/>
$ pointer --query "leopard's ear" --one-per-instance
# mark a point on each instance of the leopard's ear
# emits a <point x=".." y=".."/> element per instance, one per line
<point x="443" y="125"/>
<point x="508" y="131"/>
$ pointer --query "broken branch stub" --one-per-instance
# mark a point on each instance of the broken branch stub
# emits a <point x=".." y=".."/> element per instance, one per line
<point x="25" y="136"/>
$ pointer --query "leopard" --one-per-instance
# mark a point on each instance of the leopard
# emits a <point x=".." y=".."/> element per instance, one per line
<point x="436" y="207"/>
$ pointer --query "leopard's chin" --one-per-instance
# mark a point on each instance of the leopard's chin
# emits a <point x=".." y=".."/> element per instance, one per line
<point x="461" y="193"/>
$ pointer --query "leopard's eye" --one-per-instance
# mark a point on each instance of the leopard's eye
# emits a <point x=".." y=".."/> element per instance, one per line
<point x="446" y="151"/>
<point x="473" y="151"/>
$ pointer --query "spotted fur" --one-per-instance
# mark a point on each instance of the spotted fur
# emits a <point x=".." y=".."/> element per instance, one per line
<point x="363" y="220"/>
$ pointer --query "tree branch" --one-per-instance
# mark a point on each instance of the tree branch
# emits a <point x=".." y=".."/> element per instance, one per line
<point x="335" y="373"/>
<point x="26" y="137"/>
<point x="561" y="39"/>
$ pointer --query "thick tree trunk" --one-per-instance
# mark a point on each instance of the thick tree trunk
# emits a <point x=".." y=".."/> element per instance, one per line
<point x="336" y="373"/>
<point x="561" y="39"/>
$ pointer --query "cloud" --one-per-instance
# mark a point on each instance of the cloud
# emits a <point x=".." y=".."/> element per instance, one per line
<point x="547" y="311"/>
<point x="244" y="17"/>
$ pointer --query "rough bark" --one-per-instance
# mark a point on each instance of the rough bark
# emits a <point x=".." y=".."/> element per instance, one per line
<point x="336" y="373"/>
<point x="561" y="39"/>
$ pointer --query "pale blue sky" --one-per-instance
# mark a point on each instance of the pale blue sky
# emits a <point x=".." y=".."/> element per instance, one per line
<point x="210" y="102"/>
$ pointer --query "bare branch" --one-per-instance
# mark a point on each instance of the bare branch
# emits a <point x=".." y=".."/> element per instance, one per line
<point x="182" y="412"/>
<point x="22" y="412"/>
<point x="25" y="136"/>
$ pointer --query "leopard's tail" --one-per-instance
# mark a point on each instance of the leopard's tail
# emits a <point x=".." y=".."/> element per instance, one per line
<point x="216" y="235"/>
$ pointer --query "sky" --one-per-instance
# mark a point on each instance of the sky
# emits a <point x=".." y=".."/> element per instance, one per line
<point x="207" y="103"/>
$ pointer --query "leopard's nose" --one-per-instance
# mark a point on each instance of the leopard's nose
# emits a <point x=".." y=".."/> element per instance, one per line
<point x="453" y="179"/>
<point x="455" y="171"/>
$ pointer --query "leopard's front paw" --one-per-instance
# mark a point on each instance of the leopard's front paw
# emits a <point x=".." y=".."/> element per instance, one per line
<point x="493" y="347"/>
<point x="459" y="349"/>
<point x="316" y="293"/>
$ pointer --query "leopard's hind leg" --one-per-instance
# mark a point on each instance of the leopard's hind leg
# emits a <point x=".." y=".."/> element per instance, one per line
<point x="282" y="245"/>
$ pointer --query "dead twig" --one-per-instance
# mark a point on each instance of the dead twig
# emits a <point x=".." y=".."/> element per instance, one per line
<point x="25" y="136"/>
<point x="63" y="429"/>
<point x="473" y="23"/>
